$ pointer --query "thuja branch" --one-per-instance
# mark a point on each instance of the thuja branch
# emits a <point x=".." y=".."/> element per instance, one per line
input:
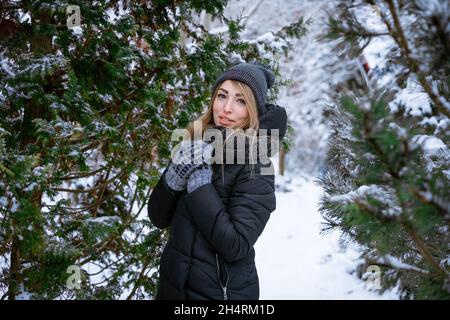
<point x="101" y="185"/>
<point x="99" y="248"/>
<point x="139" y="279"/>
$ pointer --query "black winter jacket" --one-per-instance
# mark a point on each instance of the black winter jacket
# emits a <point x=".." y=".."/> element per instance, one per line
<point x="209" y="254"/>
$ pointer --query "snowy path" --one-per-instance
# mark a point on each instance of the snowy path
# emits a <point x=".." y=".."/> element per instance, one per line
<point x="295" y="262"/>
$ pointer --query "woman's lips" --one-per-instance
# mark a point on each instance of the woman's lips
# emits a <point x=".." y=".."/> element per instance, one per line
<point x="225" y="121"/>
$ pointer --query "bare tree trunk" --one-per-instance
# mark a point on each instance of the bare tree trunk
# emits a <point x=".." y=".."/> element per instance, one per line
<point x="281" y="159"/>
<point x="253" y="10"/>
<point x="41" y="43"/>
<point x="14" y="270"/>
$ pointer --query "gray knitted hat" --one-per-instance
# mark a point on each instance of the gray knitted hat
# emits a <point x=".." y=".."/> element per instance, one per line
<point x="257" y="76"/>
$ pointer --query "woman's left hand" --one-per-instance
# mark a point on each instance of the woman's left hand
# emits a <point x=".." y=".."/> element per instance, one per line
<point x="186" y="158"/>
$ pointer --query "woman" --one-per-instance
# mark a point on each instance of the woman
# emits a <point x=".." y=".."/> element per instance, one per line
<point x="217" y="211"/>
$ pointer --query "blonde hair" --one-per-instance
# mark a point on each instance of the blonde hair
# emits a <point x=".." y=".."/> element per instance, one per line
<point x="207" y="119"/>
<point x="252" y="121"/>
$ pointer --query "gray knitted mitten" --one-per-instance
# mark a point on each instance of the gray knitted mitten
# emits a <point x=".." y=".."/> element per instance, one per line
<point x="186" y="158"/>
<point x="199" y="177"/>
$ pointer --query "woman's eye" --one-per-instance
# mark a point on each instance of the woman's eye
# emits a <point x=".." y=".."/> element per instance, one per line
<point x="241" y="101"/>
<point x="221" y="96"/>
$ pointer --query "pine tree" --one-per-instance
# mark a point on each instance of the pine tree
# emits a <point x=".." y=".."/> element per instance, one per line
<point x="387" y="182"/>
<point x="87" y="113"/>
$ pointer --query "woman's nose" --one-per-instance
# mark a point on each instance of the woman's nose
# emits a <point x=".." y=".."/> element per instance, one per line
<point x="228" y="107"/>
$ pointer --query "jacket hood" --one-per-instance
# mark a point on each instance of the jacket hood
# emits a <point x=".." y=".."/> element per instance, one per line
<point x="274" y="117"/>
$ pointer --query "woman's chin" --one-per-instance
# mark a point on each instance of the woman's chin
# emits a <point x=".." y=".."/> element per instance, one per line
<point x="226" y="125"/>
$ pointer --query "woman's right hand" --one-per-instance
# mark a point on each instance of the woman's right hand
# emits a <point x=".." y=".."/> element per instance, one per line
<point x="186" y="158"/>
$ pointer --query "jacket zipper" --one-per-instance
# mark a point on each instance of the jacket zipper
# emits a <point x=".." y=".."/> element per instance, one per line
<point x="223" y="286"/>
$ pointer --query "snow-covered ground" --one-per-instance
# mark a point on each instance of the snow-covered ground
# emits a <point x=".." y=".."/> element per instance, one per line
<point x="295" y="261"/>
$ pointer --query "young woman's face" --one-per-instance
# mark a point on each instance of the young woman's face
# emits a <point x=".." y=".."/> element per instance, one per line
<point x="229" y="107"/>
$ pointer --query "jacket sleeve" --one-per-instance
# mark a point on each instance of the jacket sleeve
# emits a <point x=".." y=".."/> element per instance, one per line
<point x="162" y="204"/>
<point x="233" y="230"/>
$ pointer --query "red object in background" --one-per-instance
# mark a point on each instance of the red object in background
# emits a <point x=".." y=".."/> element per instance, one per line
<point x="364" y="63"/>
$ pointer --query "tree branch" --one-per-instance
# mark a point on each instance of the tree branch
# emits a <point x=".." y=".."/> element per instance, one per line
<point x="81" y="174"/>
<point x="139" y="279"/>
<point x="400" y="39"/>
<point x="388" y="265"/>
<point x="101" y="185"/>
